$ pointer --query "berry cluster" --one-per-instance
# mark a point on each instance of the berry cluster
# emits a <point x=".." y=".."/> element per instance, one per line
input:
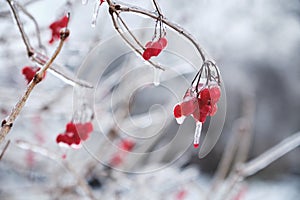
<point x="29" y="72"/>
<point x="56" y="27"/>
<point x="199" y="105"/>
<point x="126" y="145"/>
<point x="154" y="48"/>
<point x="75" y="133"/>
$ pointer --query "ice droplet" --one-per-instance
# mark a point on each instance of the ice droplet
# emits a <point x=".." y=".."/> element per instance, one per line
<point x="180" y="120"/>
<point x="95" y="13"/>
<point x="197" y="134"/>
<point x="157" y="74"/>
<point x="84" y="2"/>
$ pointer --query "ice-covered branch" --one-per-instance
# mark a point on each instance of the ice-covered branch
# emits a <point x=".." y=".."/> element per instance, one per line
<point x="8" y="122"/>
<point x="121" y="7"/>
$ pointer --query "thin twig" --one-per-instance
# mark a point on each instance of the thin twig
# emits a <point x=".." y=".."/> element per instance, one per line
<point x="174" y="26"/>
<point x="7" y="123"/>
<point x="4" y="149"/>
<point x="54" y="156"/>
<point x="270" y="156"/>
<point x="157" y="7"/>
<point x="41" y="58"/>
<point x="129" y="31"/>
<point x="130" y="44"/>
<point x="61" y="72"/>
<point x="227" y="157"/>
<point x="37" y="28"/>
<point x="20" y="26"/>
<point x="262" y="161"/>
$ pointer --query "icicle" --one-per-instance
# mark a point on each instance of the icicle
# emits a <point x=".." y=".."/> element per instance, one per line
<point x="180" y="120"/>
<point x="197" y="134"/>
<point x="95" y="13"/>
<point x="157" y="74"/>
<point x="84" y="2"/>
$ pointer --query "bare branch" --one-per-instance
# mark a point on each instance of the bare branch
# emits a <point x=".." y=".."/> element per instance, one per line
<point x="7" y="123"/>
<point x="4" y="149"/>
<point x="41" y="59"/>
<point x="37" y="28"/>
<point x="174" y="26"/>
<point x="130" y="44"/>
<point x="157" y="7"/>
<point x="61" y="72"/>
<point x="270" y="156"/>
<point x="242" y="171"/>
<point x="20" y="26"/>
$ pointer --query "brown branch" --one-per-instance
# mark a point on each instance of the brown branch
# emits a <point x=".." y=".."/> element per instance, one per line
<point x="37" y="28"/>
<point x="7" y="123"/>
<point x="21" y="29"/>
<point x="156" y="5"/>
<point x="129" y="43"/>
<point x="129" y="31"/>
<point x="4" y="149"/>
<point x="41" y="58"/>
<point x="174" y="26"/>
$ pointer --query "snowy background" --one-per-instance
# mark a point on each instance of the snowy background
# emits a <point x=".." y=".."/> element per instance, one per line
<point x="255" y="43"/>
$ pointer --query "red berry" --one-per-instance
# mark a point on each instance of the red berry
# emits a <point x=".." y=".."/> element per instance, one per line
<point x="56" y="26"/>
<point x="29" y="72"/>
<point x="152" y="49"/>
<point x="177" y="111"/>
<point x="101" y="2"/>
<point x="196" y="115"/>
<point x="75" y="133"/>
<point x="155" y="48"/>
<point x="205" y="95"/>
<point x="163" y="41"/>
<point x="116" y="160"/>
<point x="202" y="117"/>
<point x="148" y="44"/>
<point x="188" y="107"/>
<point x="215" y="93"/>
<point x="147" y="54"/>
<point x="205" y="109"/>
<point x="84" y="130"/>
<point x="127" y="144"/>
<point x="213" y="110"/>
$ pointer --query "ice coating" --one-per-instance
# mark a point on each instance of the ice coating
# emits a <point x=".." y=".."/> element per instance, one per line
<point x="197" y="134"/>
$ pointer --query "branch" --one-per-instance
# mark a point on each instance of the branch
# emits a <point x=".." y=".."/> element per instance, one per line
<point x="4" y="149"/>
<point x="40" y="58"/>
<point x="59" y="71"/>
<point x="128" y="42"/>
<point x="174" y="26"/>
<point x="270" y="156"/>
<point x="21" y="29"/>
<point x="157" y="7"/>
<point x="245" y="170"/>
<point x="8" y="123"/>
<point x="37" y="28"/>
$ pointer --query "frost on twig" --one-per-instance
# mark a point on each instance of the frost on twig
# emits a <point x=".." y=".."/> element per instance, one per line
<point x="59" y="71"/>
<point x="4" y="149"/>
<point x="242" y="171"/>
<point x="8" y="122"/>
